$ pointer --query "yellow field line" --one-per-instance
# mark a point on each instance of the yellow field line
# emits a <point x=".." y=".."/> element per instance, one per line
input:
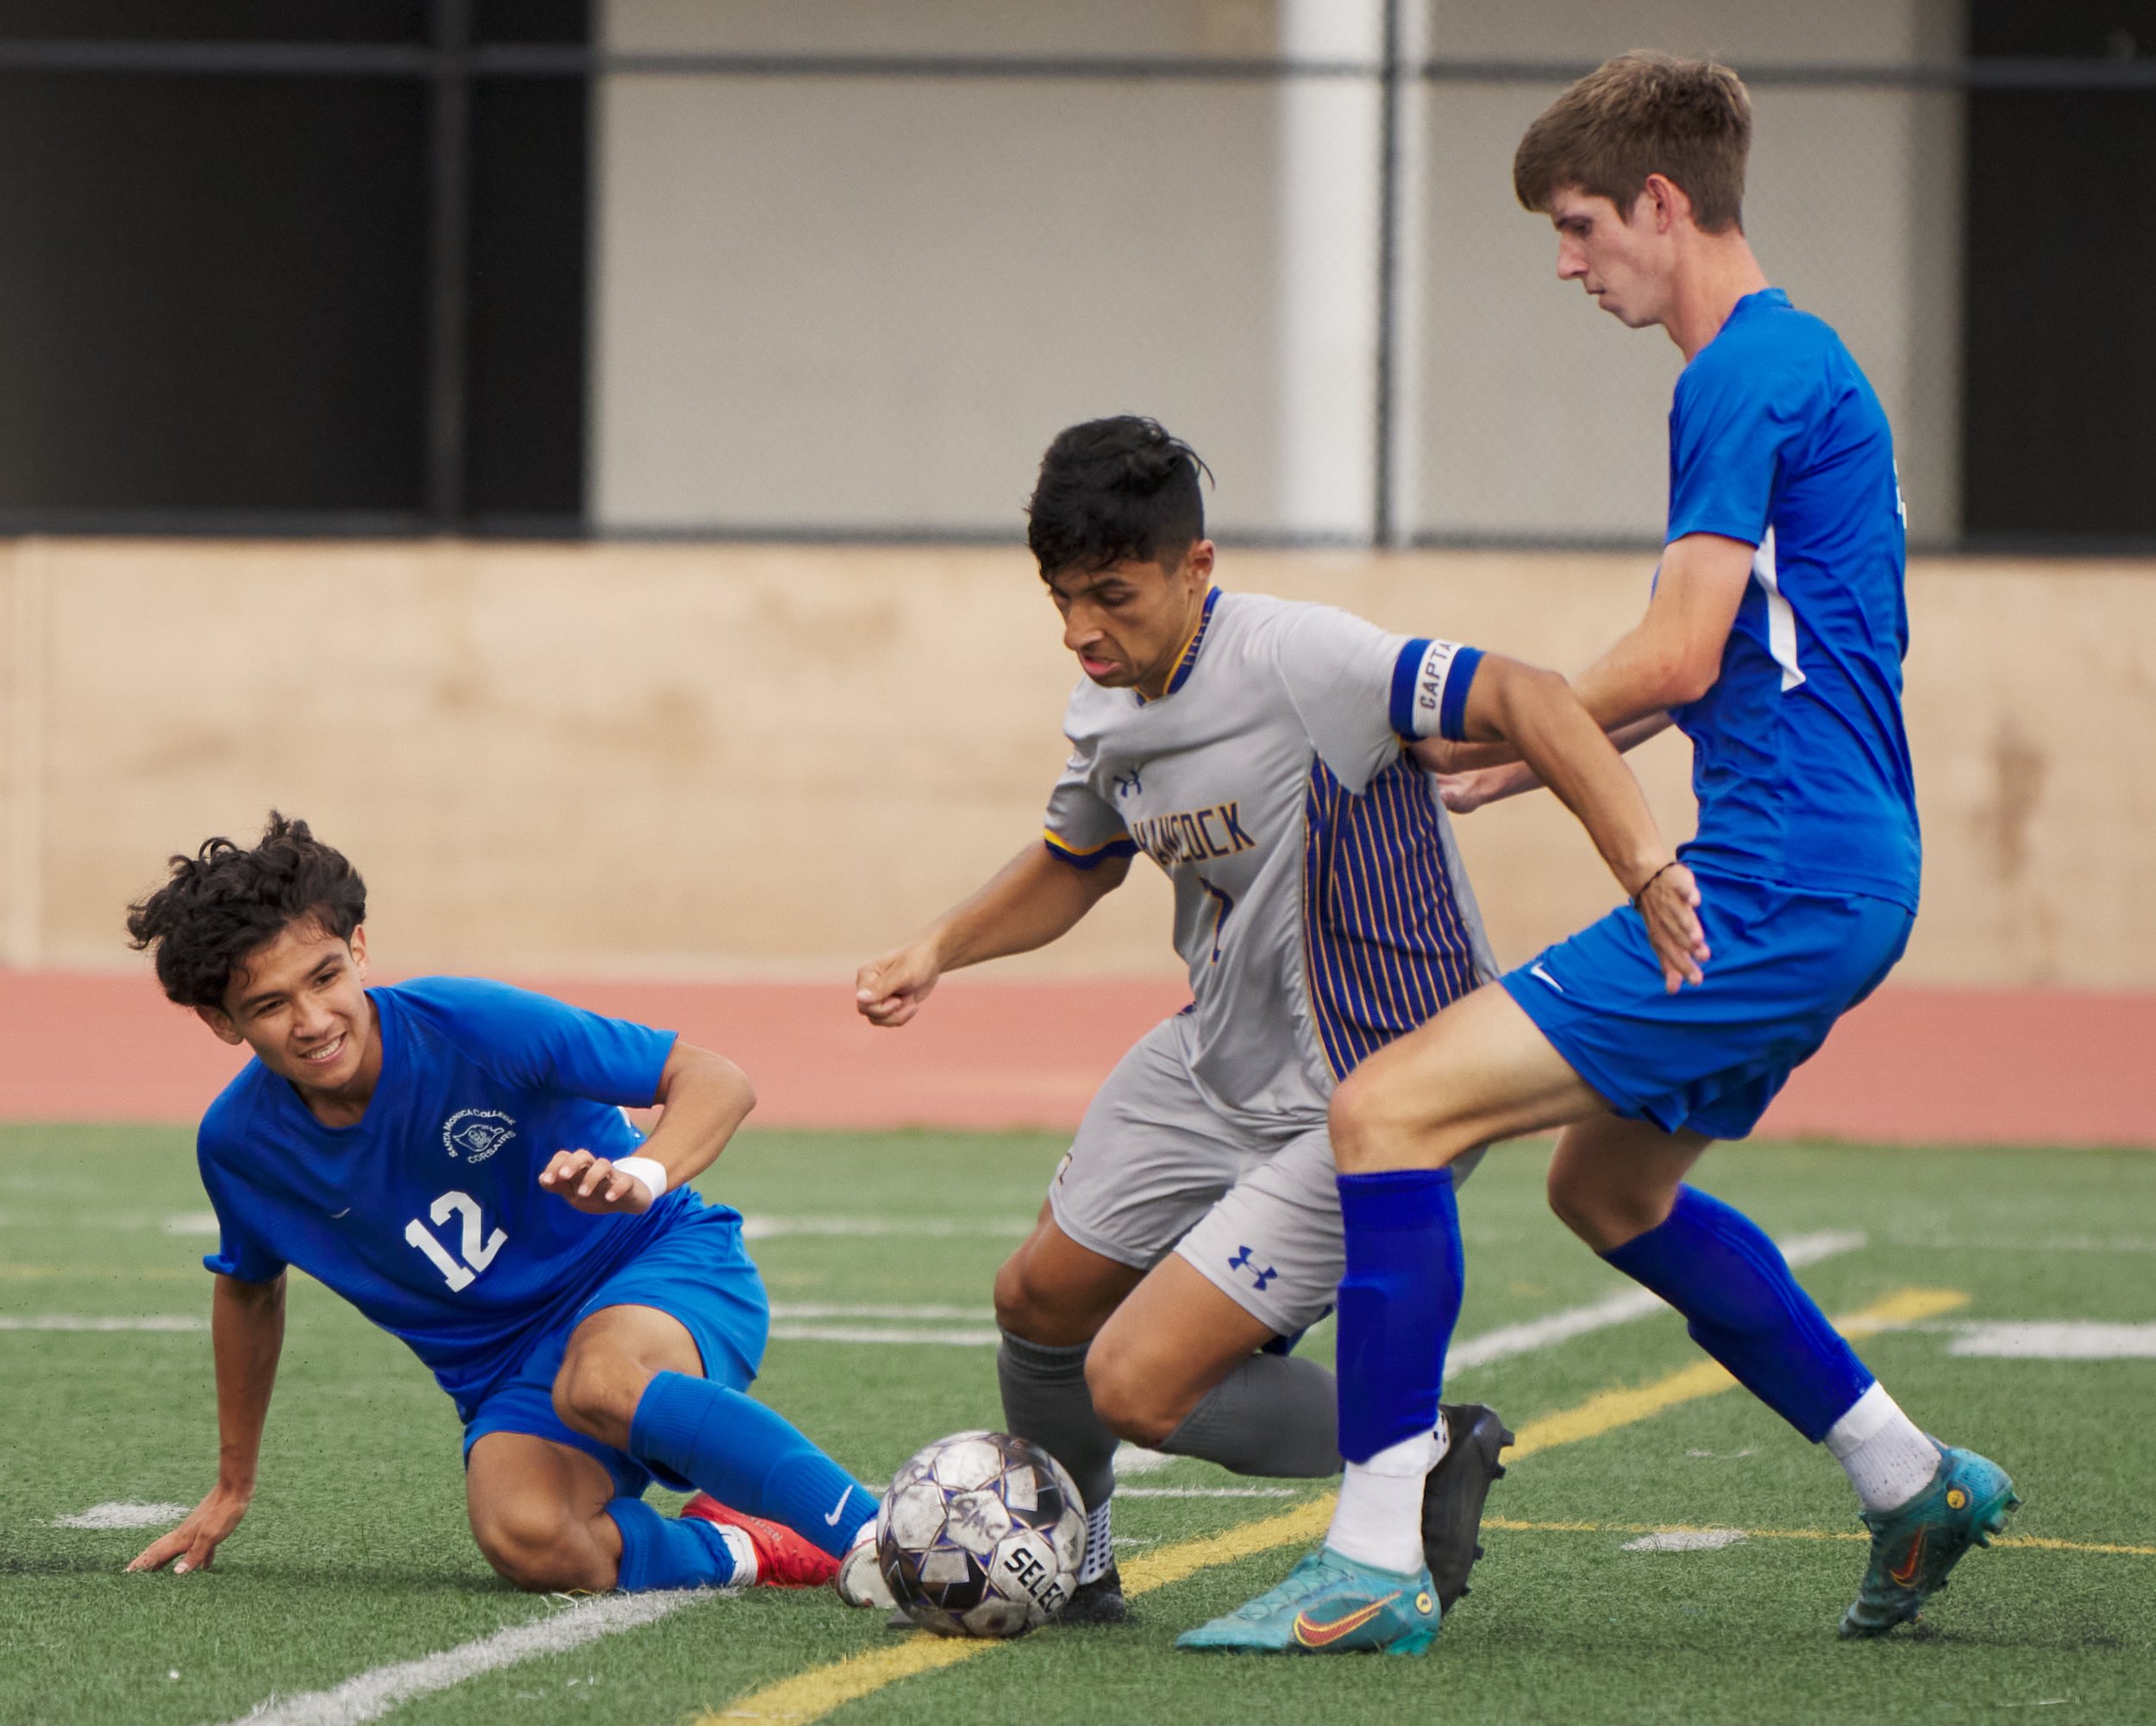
<point x="812" y="1694"/>
<point x="2039" y="1542"/>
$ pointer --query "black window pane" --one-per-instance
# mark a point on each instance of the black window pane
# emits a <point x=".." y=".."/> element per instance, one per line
<point x="216" y="293"/>
<point x="217" y="20"/>
<point x="527" y="332"/>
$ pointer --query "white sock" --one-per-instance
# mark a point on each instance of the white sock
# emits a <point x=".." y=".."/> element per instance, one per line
<point x="1099" y="1543"/>
<point x="1379" y="1521"/>
<point x="743" y="1549"/>
<point x="1887" y="1460"/>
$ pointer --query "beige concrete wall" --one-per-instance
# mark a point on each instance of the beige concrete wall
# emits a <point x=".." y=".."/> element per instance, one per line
<point x="849" y="302"/>
<point x="699" y="760"/>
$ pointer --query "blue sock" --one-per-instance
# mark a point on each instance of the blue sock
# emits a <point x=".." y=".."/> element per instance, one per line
<point x="1398" y="1301"/>
<point x="748" y="1458"/>
<point x="1717" y="1267"/>
<point x="668" y="1552"/>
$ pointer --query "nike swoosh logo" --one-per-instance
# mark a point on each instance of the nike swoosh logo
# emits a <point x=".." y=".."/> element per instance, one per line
<point x="1312" y="1635"/>
<point x="335" y="1214"/>
<point x="1536" y="971"/>
<point x="837" y="1510"/>
<point x="1905" y="1573"/>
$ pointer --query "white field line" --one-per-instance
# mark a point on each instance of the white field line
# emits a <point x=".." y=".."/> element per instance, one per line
<point x="1135" y="1459"/>
<point x="164" y="1322"/>
<point x="1624" y="1308"/>
<point x="1205" y="1492"/>
<point x="2063" y="1339"/>
<point x="124" y="1514"/>
<point x="810" y="1309"/>
<point x="373" y="1694"/>
<point x="925" y="1228"/>
<point x="885" y="1336"/>
<point x="1686" y="1541"/>
<point x="2024" y="1242"/>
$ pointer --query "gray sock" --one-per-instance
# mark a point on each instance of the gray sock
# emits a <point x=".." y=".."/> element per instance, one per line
<point x="1045" y="1399"/>
<point x="1272" y="1415"/>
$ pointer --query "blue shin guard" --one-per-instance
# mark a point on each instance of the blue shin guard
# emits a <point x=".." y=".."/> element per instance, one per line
<point x="1398" y="1301"/>
<point x="749" y="1457"/>
<point x="1745" y="1308"/>
<point x="668" y="1552"/>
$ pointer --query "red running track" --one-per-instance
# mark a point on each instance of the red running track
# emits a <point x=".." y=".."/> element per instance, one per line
<point x="1915" y="1065"/>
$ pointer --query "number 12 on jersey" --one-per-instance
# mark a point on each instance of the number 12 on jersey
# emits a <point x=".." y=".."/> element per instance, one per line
<point x="478" y="1247"/>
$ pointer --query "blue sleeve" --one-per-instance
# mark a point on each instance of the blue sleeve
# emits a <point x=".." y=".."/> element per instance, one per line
<point x="543" y="1043"/>
<point x="240" y="1252"/>
<point x="1736" y="427"/>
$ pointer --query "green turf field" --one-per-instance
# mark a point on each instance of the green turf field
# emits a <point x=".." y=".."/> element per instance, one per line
<point x="356" y="1555"/>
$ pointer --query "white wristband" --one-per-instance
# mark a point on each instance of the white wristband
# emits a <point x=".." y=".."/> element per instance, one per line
<point x="648" y="1169"/>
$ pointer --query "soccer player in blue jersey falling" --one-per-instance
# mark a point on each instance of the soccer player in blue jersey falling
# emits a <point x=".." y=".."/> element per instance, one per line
<point x="1774" y="640"/>
<point x="452" y="1158"/>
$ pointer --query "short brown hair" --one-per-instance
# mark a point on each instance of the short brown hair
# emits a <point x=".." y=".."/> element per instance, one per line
<point x="1643" y="113"/>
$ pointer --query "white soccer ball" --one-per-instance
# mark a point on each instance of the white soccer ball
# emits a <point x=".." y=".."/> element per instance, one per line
<point x="980" y="1535"/>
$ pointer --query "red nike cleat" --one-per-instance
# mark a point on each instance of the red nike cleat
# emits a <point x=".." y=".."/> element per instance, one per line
<point x="784" y="1559"/>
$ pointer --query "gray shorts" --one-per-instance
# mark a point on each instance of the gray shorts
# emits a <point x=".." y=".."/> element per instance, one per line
<point x="1156" y="1169"/>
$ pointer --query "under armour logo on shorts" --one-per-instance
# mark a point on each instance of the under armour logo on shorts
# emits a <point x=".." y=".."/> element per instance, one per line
<point x="1243" y="1260"/>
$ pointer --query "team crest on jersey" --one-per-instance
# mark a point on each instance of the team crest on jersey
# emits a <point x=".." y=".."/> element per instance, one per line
<point x="475" y="1134"/>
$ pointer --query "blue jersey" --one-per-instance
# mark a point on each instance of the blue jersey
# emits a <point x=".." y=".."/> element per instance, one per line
<point x="1800" y="761"/>
<point x="427" y="1214"/>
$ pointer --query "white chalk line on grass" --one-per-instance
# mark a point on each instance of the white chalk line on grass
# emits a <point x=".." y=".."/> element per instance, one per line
<point x="373" y="1694"/>
<point x="2058" y="1340"/>
<point x="125" y="1513"/>
<point x="1686" y="1541"/>
<point x="885" y="1336"/>
<point x="153" y="1321"/>
<point x="925" y="1228"/>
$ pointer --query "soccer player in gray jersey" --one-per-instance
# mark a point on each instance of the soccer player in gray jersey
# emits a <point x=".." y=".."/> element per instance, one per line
<point x="1264" y="753"/>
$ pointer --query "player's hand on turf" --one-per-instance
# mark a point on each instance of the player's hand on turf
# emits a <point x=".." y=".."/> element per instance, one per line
<point x="889" y="991"/>
<point x="1670" y="906"/>
<point x="593" y="1184"/>
<point x="195" y="1541"/>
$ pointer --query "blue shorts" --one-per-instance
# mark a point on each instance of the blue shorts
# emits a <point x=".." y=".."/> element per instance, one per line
<point x="696" y="1272"/>
<point x="1786" y="964"/>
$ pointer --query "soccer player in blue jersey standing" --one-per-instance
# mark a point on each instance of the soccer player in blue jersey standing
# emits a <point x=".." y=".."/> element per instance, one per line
<point x="1774" y="641"/>
<point x="452" y="1158"/>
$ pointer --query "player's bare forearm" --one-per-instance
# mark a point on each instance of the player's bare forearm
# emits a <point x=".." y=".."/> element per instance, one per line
<point x="706" y="1098"/>
<point x="1559" y="741"/>
<point x="1031" y="901"/>
<point x="1675" y="653"/>
<point x="1443" y="757"/>
<point x="247" y="1335"/>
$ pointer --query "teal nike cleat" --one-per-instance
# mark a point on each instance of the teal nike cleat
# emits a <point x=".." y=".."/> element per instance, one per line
<point x="1913" y="1547"/>
<point x="1329" y="1605"/>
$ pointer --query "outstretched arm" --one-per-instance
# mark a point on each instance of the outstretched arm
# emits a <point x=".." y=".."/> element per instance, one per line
<point x="1670" y="658"/>
<point x="1033" y="900"/>
<point x="1538" y="713"/>
<point x="246" y="1334"/>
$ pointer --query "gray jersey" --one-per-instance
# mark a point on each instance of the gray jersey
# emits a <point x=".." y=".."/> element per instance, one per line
<point x="1320" y="903"/>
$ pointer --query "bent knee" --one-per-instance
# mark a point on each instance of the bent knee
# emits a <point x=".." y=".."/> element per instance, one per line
<point x="1133" y="1401"/>
<point x="1602" y="1215"/>
<point x="537" y="1548"/>
<point x="598" y="1396"/>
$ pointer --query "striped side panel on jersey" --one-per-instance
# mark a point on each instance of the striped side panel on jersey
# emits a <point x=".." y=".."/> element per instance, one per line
<point x="1385" y="944"/>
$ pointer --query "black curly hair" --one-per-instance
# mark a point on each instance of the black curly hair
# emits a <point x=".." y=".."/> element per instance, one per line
<point x="1115" y="491"/>
<point x="221" y="904"/>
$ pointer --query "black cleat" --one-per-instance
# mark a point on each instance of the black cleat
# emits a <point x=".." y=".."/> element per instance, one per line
<point x="1097" y="1603"/>
<point x="1453" y="1497"/>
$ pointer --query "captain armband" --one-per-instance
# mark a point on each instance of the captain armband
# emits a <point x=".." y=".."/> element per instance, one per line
<point x="1431" y="679"/>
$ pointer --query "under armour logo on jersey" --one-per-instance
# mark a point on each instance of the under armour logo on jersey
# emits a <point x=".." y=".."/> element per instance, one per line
<point x="475" y="1134"/>
<point x="1127" y="784"/>
<point x="1243" y="1260"/>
